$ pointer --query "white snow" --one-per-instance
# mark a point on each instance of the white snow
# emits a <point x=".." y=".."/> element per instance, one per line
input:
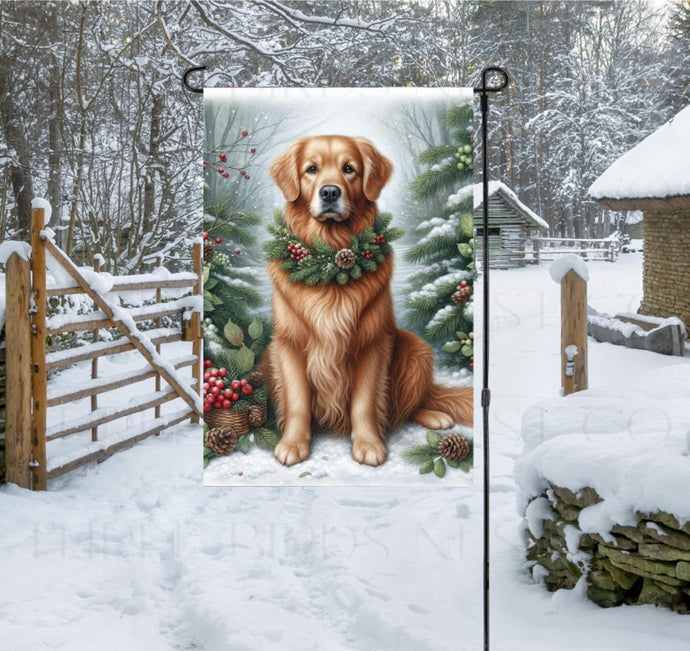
<point x="134" y="553"/>
<point x="8" y="247"/>
<point x="560" y="267"/>
<point x="38" y="203"/>
<point x="657" y="167"/>
<point x="502" y="188"/>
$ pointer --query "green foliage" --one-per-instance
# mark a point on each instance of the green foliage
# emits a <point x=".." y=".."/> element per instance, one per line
<point x="427" y="456"/>
<point x="318" y="264"/>
<point x="445" y="246"/>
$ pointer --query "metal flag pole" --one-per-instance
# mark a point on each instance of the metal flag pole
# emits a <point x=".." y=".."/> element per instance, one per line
<point x="493" y="80"/>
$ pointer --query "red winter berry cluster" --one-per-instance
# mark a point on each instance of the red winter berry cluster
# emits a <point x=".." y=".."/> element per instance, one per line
<point x="465" y="289"/>
<point x="297" y="251"/>
<point x="368" y="255"/>
<point x="379" y="239"/>
<point x="218" y="391"/>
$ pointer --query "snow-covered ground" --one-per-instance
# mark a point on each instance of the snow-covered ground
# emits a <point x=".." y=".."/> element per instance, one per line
<point x="135" y="554"/>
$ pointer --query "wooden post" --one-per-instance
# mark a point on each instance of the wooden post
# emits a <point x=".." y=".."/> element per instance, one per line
<point x="573" y="333"/>
<point x="38" y="352"/>
<point x="159" y="322"/>
<point x="18" y="369"/>
<point x="197" y="268"/>
<point x="536" y="244"/>
<point x="94" y="364"/>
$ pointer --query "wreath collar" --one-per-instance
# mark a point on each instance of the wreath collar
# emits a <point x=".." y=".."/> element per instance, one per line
<point x="321" y="264"/>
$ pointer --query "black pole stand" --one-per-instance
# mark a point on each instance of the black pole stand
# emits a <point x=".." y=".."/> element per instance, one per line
<point x="493" y="81"/>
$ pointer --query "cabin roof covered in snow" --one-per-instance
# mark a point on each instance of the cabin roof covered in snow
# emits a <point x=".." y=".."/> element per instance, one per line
<point x="501" y="189"/>
<point x="654" y="174"/>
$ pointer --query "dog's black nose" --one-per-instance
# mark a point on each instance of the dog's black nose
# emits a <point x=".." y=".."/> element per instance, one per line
<point x="330" y="193"/>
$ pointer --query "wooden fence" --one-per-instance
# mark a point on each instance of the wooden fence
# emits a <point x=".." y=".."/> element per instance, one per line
<point x="548" y="248"/>
<point x="30" y="432"/>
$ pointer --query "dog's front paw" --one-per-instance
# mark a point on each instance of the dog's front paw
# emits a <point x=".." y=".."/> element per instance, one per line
<point x="371" y="452"/>
<point x="291" y="451"/>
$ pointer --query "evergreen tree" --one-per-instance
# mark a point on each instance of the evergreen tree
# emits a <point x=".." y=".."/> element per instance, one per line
<point x="440" y="302"/>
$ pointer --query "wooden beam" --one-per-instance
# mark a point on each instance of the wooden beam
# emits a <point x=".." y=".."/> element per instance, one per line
<point x="150" y="355"/>
<point x="120" y="288"/>
<point x="101" y="455"/>
<point x="39" y="384"/>
<point x="573" y="333"/>
<point x="18" y="372"/>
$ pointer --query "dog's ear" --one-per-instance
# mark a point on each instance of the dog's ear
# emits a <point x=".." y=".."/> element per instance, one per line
<point x="377" y="169"/>
<point x="284" y="171"/>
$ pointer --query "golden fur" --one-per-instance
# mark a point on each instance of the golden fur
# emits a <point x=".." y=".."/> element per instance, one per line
<point x="337" y="357"/>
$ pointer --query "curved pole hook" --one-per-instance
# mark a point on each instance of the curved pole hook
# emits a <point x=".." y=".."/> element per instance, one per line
<point x="185" y="79"/>
<point x="488" y="87"/>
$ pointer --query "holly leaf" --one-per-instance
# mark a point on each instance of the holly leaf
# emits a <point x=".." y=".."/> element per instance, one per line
<point x="453" y="464"/>
<point x="265" y="439"/>
<point x="233" y="333"/>
<point x="466" y="250"/>
<point x="306" y="473"/>
<point x="426" y="467"/>
<point x="467" y="351"/>
<point x="206" y="273"/>
<point x="244" y="360"/>
<point x="452" y="346"/>
<point x="244" y="444"/>
<point x="433" y="439"/>
<point x="467" y="225"/>
<point x="256" y="328"/>
<point x="440" y="468"/>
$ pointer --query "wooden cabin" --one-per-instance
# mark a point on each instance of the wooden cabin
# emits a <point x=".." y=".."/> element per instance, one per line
<point x="654" y="177"/>
<point x="512" y="225"/>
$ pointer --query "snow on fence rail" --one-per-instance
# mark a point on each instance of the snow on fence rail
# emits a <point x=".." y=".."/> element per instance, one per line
<point x="35" y="449"/>
<point x="549" y="248"/>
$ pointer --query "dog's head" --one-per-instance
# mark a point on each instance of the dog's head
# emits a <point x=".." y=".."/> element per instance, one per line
<point x="332" y="179"/>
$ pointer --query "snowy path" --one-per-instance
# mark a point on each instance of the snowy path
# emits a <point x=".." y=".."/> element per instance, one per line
<point x="135" y="554"/>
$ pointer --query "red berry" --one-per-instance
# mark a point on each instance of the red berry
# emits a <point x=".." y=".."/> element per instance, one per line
<point x="247" y="390"/>
<point x="223" y="157"/>
<point x="253" y="150"/>
<point x="238" y="251"/>
<point x="226" y="175"/>
<point x="227" y="404"/>
<point x="207" y="377"/>
<point x="463" y="283"/>
<point x="206" y="386"/>
<point x="220" y="383"/>
<point x="220" y="170"/>
<point x="222" y="372"/>
<point x="205" y="236"/>
<point x="245" y="133"/>
<point x="215" y="391"/>
<point x="207" y="363"/>
<point x="246" y="176"/>
<point x="235" y="396"/>
<point x="218" y="404"/>
<point x="244" y="382"/>
<point x="213" y="372"/>
<point x="235" y="384"/>
<point x="242" y="172"/>
<point x="207" y="408"/>
<point x="227" y="393"/>
<point x="219" y="240"/>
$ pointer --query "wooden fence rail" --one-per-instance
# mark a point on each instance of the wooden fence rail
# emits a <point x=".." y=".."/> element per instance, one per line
<point x="548" y="248"/>
<point x="29" y="396"/>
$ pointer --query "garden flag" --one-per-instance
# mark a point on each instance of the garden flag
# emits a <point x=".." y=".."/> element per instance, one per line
<point x="338" y="286"/>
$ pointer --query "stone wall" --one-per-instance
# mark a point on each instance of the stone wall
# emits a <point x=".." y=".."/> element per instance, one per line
<point x="644" y="564"/>
<point x="666" y="275"/>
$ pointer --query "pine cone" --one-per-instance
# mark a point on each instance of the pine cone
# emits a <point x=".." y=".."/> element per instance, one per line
<point x="209" y="248"/>
<point x="257" y="415"/>
<point x="459" y="298"/>
<point x="222" y="440"/>
<point x="255" y="378"/>
<point x="345" y="258"/>
<point x="453" y="447"/>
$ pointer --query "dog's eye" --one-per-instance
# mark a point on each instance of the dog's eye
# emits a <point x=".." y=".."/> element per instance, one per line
<point x="311" y="169"/>
<point x="348" y="169"/>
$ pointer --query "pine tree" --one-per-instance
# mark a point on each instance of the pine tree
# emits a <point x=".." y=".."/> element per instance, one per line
<point x="440" y="302"/>
<point x="234" y="336"/>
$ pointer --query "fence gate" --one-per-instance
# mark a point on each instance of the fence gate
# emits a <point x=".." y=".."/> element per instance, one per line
<point x="30" y="434"/>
